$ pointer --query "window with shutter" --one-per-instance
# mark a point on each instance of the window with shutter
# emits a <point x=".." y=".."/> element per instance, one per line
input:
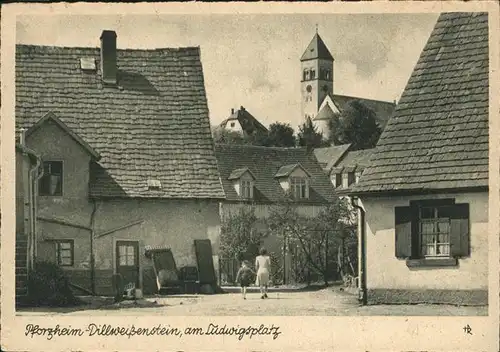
<point x="432" y="233"/>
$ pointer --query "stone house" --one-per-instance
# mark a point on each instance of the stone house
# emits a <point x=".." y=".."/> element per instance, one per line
<point x="260" y="177"/>
<point x="423" y="198"/>
<point x="127" y="157"/>
<point x="243" y="122"/>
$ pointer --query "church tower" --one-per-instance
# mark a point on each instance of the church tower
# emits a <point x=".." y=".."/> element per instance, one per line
<point x="316" y="80"/>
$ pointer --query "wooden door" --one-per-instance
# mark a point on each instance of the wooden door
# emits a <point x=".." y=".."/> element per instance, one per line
<point x="127" y="261"/>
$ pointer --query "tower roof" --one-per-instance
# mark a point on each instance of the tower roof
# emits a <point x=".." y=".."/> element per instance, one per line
<point x="316" y="50"/>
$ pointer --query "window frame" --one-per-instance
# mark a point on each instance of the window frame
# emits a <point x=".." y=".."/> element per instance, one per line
<point x="127" y="255"/>
<point x="338" y="179"/>
<point x="351" y="178"/>
<point x="249" y="186"/>
<point x="71" y="249"/>
<point x="434" y="234"/>
<point x="42" y="182"/>
<point x="300" y="183"/>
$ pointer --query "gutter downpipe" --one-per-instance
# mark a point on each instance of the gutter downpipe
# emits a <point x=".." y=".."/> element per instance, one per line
<point x="33" y="181"/>
<point x="362" y="291"/>
<point x="92" y="245"/>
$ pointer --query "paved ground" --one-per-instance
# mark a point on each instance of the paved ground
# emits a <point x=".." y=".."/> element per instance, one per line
<point x="323" y="302"/>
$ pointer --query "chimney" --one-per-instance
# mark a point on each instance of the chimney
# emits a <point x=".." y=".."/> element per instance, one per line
<point x="232" y="111"/>
<point x="242" y="108"/>
<point x="108" y="56"/>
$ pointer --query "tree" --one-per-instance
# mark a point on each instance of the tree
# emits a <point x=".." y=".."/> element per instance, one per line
<point x="309" y="136"/>
<point x="225" y="136"/>
<point x="356" y="125"/>
<point x="280" y="135"/>
<point x="240" y="238"/>
<point x="317" y="237"/>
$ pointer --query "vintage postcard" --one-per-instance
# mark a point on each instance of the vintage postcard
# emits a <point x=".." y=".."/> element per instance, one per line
<point x="251" y="177"/>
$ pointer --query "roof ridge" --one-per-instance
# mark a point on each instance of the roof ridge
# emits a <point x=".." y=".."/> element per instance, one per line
<point x="42" y="46"/>
<point x="259" y="146"/>
<point x="360" y="98"/>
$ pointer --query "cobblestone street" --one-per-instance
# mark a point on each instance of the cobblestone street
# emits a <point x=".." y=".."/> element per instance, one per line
<point x="324" y="302"/>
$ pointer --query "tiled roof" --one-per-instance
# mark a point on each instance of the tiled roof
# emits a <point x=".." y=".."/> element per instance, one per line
<point x="316" y="50"/>
<point x="248" y="122"/>
<point x="286" y="170"/>
<point x="264" y="163"/>
<point x="153" y="125"/>
<point x="329" y="156"/>
<point x="382" y="109"/>
<point x="237" y="173"/>
<point x="357" y="159"/>
<point x="438" y="136"/>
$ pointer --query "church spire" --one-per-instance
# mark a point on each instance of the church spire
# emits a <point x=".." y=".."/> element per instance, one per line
<point x="316" y="49"/>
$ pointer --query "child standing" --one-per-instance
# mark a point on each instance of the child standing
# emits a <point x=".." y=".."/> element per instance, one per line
<point x="244" y="277"/>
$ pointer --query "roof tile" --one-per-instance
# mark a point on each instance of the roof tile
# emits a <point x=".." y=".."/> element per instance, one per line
<point x="437" y="137"/>
<point x="153" y="125"/>
<point x="264" y="163"/>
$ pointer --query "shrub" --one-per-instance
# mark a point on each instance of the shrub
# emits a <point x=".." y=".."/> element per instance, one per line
<point x="49" y="286"/>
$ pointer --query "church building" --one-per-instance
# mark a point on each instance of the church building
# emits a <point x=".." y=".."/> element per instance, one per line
<point x="317" y="89"/>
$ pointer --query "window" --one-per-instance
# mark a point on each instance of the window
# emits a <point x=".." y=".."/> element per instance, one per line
<point x="312" y="74"/>
<point x="126" y="255"/>
<point x="305" y="75"/>
<point x="338" y="179"/>
<point x="434" y="229"/>
<point x="299" y="187"/>
<point x="351" y="178"/>
<point x="51" y="181"/>
<point x="65" y="252"/>
<point x="358" y="175"/>
<point x="328" y="74"/>
<point x="232" y="124"/>
<point x="435" y="232"/>
<point x="246" y="189"/>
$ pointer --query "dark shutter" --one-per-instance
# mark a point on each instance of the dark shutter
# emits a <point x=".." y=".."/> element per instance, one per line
<point x="459" y="229"/>
<point x="403" y="226"/>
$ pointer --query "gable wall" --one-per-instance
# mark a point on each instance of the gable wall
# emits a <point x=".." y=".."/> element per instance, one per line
<point x="53" y="143"/>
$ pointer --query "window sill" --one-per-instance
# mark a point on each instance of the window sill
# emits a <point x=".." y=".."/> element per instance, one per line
<point x="431" y="262"/>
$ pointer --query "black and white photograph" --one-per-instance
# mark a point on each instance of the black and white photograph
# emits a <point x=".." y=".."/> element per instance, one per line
<point x="249" y="164"/>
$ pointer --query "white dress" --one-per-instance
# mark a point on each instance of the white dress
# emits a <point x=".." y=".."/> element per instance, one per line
<point x="263" y="265"/>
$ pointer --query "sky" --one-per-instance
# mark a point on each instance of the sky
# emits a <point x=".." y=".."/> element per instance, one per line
<point x="253" y="60"/>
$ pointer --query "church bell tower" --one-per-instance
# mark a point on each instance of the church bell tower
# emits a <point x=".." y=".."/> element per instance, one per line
<point x="317" y="76"/>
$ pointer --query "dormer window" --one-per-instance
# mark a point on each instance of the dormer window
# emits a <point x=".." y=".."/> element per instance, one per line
<point x="246" y="189"/>
<point x="243" y="182"/>
<point x="338" y="179"/>
<point x="294" y="179"/>
<point x="299" y="187"/>
<point x="351" y="178"/>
